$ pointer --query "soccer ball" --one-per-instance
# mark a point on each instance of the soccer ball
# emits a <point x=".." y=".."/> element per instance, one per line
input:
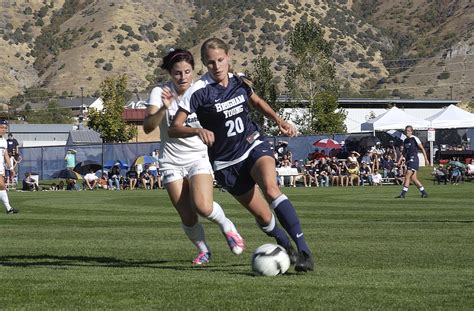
<point x="270" y="260"/>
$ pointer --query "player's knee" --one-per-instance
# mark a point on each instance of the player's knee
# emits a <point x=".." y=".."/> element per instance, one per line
<point x="264" y="219"/>
<point x="271" y="193"/>
<point x="189" y="220"/>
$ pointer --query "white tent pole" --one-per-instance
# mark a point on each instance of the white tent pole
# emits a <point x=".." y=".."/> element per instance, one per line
<point x="431" y="153"/>
<point x="431" y="148"/>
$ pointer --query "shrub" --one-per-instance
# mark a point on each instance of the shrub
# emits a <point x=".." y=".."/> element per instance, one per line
<point x="168" y="27"/>
<point x="97" y="34"/>
<point x="126" y="28"/>
<point x="444" y="75"/>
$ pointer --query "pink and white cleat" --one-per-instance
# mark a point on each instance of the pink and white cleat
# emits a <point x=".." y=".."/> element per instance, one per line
<point x="202" y="258"/>
<point x="235" y="241"/>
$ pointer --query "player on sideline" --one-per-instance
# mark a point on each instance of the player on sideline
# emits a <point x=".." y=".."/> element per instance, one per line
<point x="5" y="160"/>
<point x="411" y="144"/>
<point x="241" y="158"/>
<point x="186" y="171"/>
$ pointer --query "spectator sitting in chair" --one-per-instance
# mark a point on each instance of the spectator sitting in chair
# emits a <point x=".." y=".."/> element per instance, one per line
<point x="302" y="175"/>
<point x="103" y="181"/>
<point x="353" y="158"/>
<point x="91" y="180"/>
<point x="377" y="152"/>
<point x="132" y="178"/>
<point x="343" y="174"/>
<point x="153" y="171"/>
<point x="29" y="183"/>
<point x="71" y="184"/>
<point x="388" y="165"/>
<point x="147" y="179"/>
<point x="114" y="178"/>
<point x="456" y="174"/>
<point x="470" y="168"/>
<point x="441" y="174"/>
<point x="365" y="174"/>
<point x="312" y="173"/>
<point x="353" y="170"/>
<point x="324" y="171"/>
<point x="60" y="185"/>
<point x="376" y="179"/>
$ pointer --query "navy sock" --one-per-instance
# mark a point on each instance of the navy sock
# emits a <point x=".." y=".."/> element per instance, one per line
<point x="276" y="232"/>
<point x="404" y="191"/>
<point x="288" y="218"/>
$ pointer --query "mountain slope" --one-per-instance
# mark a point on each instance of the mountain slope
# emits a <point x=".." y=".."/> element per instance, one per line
<point x="80" y="42"/>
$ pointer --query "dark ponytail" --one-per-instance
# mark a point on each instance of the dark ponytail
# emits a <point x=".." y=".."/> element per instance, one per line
<point x="176" y="56"/>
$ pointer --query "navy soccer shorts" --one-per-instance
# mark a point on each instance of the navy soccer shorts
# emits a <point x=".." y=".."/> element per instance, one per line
<point x="236" y="178"/>
<point x="413" y="164"/>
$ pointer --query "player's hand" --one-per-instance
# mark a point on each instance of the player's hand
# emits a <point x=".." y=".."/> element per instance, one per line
<point x="206" y="136"/>
<point x="287" y="129"/>
<point x="167" y="96"/>
<point x="12" y="173"/>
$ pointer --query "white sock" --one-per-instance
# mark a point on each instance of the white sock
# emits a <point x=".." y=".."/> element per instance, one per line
<point x="218" y="216"/>
<point x="196" y="235"/>
<point x="4" y="199"/>
<point x="270" y="226"/>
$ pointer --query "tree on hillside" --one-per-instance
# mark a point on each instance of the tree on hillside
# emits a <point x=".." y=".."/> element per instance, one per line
<point x="265" y="86"/>
<point x="311" y="79"/>
<point x="53" y="114"/>
<point x="109" y="122"/>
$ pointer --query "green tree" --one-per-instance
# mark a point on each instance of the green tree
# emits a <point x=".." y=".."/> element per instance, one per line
<point x="311" y="79"/>
<point x="109" y="122"/>
<point x="265" y="86"/>
<point x="53" y="114"/>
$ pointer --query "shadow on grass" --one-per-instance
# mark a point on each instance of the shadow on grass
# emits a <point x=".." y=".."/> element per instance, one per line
<point x="425" y="221"/>
<point x="85" y="261"/>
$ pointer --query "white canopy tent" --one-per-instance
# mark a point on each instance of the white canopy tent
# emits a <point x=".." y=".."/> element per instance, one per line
<point x="393" y="119"/>
<point x="451" y="117"/>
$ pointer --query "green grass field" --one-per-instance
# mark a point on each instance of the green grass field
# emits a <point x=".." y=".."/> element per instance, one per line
<point x="126" y="250"/>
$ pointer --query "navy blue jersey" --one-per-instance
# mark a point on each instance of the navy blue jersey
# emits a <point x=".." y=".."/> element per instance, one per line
<point x="225" y="111"/>
<point x="410" y="145"/>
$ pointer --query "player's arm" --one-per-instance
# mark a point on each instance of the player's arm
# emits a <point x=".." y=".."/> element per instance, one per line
<point x="178" y="129"/>
<point x="154" y="116"/>
<point x="264" y="108"/>
<point x="160" y="101"/>
<point x="8" y="163"/>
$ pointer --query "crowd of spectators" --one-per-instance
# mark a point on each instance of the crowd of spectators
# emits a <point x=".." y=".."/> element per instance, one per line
<point x="377" y="165"/>
<point x="453" y="172"/>
<point x="340" y="167"/>
<point x="141" y="177"/>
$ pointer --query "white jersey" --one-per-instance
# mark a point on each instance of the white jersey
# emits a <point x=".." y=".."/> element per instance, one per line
<point x="3" y="150"/>
<point x="177" y="152"/>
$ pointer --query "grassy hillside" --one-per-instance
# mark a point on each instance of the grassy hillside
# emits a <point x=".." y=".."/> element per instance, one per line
<point x="77" y="43"/>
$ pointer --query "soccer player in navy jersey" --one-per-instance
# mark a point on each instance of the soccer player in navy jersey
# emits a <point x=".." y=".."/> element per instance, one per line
<point x="241" y="158"/>
<point x="411" y="144"/>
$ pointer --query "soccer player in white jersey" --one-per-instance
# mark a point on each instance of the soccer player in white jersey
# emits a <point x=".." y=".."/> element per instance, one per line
<point x="222" y="102"/>
<point x="184" y="164"/>
<point x="411" y="145"/>
<point x="5" y="161"/>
